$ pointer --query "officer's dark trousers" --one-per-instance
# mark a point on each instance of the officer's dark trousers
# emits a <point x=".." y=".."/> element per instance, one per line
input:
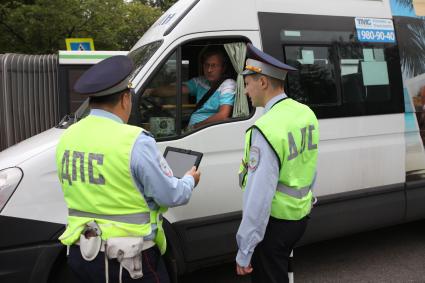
<point x="270" y="258"/>
<point x="94" y="271"/>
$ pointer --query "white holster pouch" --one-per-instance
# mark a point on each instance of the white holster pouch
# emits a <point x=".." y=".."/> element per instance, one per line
<point x="90" y="241"/>
<point x="128" y="252"/>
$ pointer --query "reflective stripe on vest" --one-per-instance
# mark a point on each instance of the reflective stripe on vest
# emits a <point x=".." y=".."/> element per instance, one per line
<point x="293" y="192"/>
<point x="138" y="218"/>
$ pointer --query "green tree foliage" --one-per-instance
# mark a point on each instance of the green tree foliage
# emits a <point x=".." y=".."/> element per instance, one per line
<point x="41" y="26"/>
<point x="162" y="4"/>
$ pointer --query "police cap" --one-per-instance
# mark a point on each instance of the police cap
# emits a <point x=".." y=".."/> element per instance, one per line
<point x="106" y="77"/>
<point x="259" y="62"/>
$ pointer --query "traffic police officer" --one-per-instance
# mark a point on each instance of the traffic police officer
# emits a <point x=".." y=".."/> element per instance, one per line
<point x="116" y="185"/>
<point x="276" y="174"/>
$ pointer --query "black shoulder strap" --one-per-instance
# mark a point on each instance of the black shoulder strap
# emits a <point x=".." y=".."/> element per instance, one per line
<point x="280" y="100"/>
<point x="207" y="95"/>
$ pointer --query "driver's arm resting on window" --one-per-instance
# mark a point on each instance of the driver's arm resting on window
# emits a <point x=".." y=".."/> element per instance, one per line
<point x="223" y="113"/>
<point x="217" y="108"/>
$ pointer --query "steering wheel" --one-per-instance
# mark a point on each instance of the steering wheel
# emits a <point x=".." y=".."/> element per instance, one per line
<point x="148" y="103"/>
<point x="151" y="107"/>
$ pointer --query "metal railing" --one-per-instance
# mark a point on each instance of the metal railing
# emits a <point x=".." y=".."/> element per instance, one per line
<point x="29" y="96"/>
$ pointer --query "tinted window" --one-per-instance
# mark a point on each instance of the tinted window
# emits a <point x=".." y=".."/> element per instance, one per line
<point x="337" y="75"/>
<point x="314" y="83"/>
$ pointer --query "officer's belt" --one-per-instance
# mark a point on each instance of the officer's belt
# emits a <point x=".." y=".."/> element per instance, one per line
<point x="146" y="245"/>
<point x="137" y="218"/>
<point x="298" y="193"/>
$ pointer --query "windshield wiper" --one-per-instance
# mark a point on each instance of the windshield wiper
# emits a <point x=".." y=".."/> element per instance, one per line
<point x="67" y="121"/>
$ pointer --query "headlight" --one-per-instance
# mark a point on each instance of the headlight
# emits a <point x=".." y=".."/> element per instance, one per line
<point x="9" y="181"/>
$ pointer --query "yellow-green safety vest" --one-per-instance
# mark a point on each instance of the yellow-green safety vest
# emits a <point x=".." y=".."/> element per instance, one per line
<point x="292" y="130"/>
<point x="93" y="160"/>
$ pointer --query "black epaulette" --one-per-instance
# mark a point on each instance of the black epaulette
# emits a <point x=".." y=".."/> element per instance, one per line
<point x="149" y="134"/>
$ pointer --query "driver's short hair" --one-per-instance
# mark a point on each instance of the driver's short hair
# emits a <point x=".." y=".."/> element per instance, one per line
<point x="214" y="51"/>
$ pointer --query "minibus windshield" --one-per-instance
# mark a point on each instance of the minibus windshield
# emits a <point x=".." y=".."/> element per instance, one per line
<point x="141" y="55"/>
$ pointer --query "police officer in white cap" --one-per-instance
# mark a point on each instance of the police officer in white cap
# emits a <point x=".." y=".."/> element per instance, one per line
<point x="116" y="185"/>
<point x="277" y="172"/>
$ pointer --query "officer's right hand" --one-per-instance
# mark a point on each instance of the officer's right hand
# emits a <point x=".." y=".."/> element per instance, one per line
<point x="240" y="270"/>
<point x="196" y="174"/>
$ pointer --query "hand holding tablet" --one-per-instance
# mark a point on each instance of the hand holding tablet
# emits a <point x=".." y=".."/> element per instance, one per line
<point x="181" y="162"/>
<point x="195" y="173"/>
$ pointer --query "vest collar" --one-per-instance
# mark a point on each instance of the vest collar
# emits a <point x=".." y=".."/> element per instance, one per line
<point x="105" y="114"/>
<point x="273" y="101"/>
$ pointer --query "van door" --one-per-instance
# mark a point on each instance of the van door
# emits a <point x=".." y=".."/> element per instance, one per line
<point x="208" y="223"/>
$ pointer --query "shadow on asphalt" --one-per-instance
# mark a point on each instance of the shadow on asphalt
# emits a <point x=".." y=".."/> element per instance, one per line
<point x="225" y="273"/>
<point x="393" y="254"/>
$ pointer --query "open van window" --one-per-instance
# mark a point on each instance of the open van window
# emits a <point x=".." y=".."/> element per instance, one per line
<point x="167" y="104"/>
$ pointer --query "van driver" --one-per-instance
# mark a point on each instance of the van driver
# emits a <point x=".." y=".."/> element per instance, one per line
<point x="219" y="105"/>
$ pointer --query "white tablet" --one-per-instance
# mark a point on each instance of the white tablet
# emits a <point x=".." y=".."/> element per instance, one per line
<point x="181" y="160"/>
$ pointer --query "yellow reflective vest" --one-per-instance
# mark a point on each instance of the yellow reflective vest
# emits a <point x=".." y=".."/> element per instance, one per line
<point x="93" y="160"/>
<point x="292" y="131"/>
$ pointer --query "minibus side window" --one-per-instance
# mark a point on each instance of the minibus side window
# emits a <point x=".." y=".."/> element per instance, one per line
<point x="364" y="74"/>
<point x="314" y="83"/>
<point x="339" y="75"/>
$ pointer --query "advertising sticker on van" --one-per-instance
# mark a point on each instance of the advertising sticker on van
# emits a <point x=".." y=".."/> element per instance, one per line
<point x="375" y="30"/>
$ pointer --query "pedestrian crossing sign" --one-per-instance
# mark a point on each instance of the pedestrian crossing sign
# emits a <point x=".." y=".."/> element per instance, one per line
<point x="79" y="44"/>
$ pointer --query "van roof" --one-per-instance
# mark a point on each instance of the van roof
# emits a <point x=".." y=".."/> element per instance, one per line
<point x="194" y="16"/>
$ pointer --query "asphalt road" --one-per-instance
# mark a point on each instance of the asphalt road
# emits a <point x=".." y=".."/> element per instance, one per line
<point x="394" y="254"/>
